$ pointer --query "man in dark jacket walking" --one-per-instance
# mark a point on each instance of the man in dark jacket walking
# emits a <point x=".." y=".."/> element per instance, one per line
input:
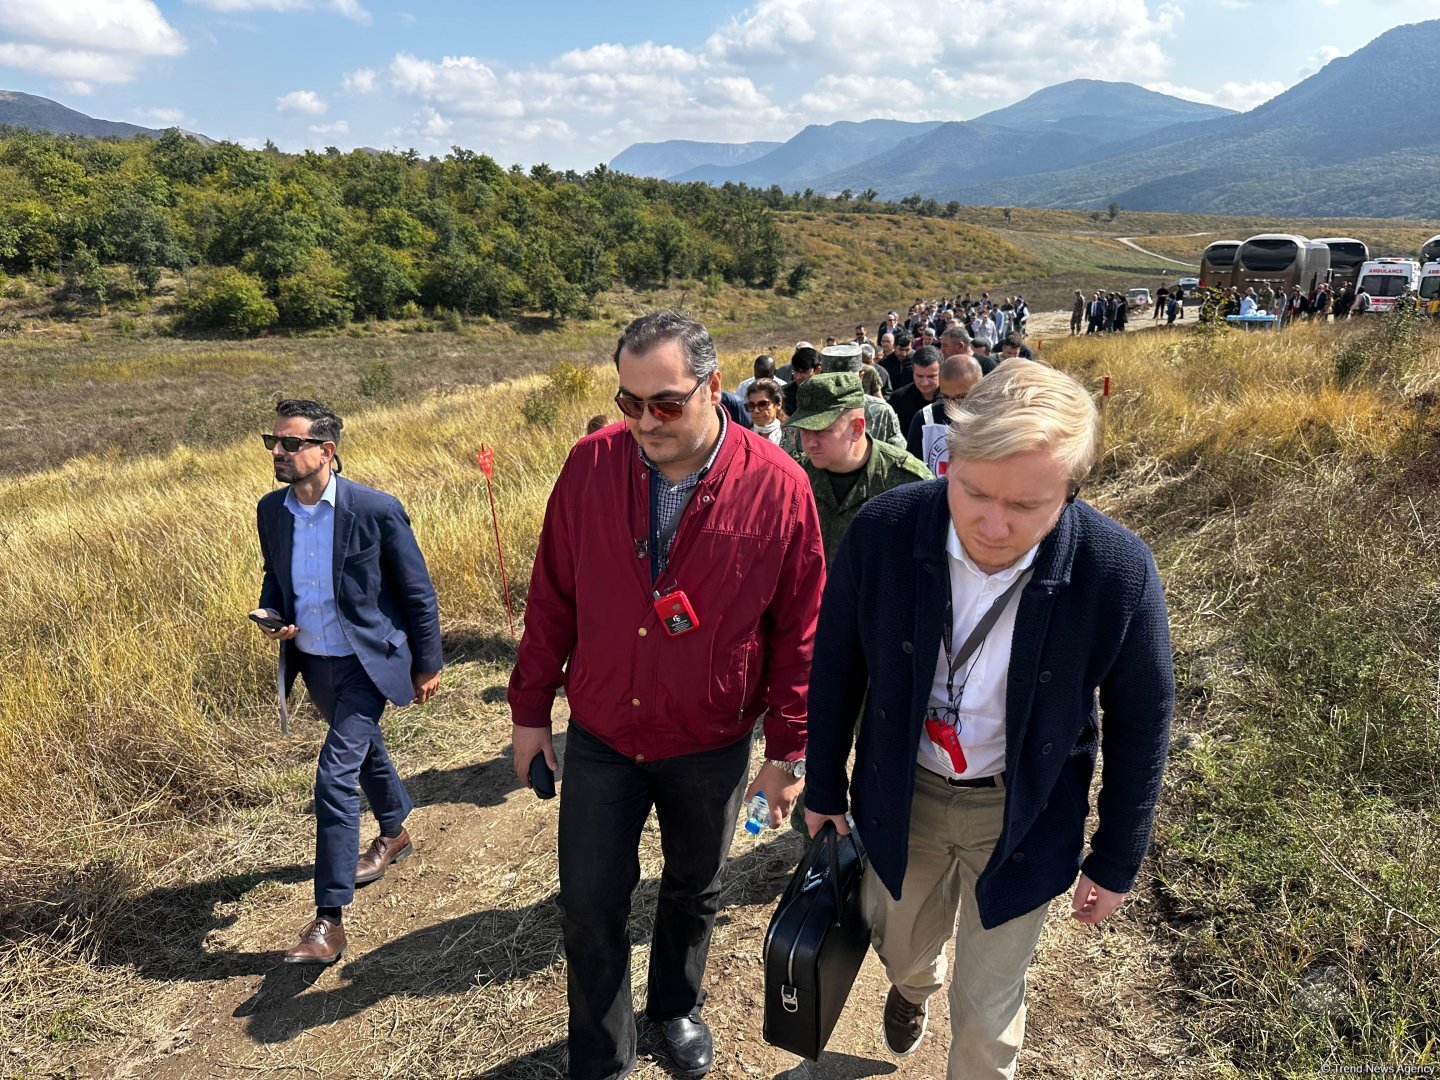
<point x="977" y="663"/>
<point x="674" y="595"/>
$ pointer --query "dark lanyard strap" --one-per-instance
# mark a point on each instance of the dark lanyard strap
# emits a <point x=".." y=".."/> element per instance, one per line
<point x="982" y="628"/>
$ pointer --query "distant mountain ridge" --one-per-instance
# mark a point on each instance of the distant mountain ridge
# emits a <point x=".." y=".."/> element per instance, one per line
<point x="815" y="151"/>
<point x="662" y="160"/>
<point x="1354" y="139"/>
<point x="42" y="114"/>
<point x="1050" y="129"/>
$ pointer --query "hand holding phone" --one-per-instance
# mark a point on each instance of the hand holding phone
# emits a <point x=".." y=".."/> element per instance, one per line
<point x="542" y="777"/>
<point x="267" y="618"/>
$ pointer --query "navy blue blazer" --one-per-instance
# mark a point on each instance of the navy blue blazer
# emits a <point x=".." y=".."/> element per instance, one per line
<point x="1091" y="622"/>
<point x="383" y="594"/>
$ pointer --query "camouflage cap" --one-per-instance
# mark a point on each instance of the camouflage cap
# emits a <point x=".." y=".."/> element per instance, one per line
<point x="845" y="357"/>
<point x="820" y="400"/>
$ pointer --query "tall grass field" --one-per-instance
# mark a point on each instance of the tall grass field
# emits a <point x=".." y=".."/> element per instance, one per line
<point x="1290" y="486"/>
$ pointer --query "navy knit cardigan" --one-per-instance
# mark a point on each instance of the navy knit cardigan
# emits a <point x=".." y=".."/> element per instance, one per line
<point x="1091" y="624"/>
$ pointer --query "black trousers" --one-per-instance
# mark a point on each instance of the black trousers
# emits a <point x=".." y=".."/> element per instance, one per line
<point x="604" y="802"/>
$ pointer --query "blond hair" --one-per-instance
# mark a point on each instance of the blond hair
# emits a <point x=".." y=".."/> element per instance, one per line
<point x="1023" y="406"/>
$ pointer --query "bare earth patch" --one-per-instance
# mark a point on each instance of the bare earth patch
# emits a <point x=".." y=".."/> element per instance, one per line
<point x="455" y="966"/>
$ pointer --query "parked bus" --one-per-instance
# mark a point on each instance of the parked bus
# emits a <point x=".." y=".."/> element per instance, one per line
<point x="1217" y="263"/>
<point x="1431" y="251"/>
<point x="1347" y="255"/>
<point x="1281" y="260"/>
<point x="1385" y="279"/>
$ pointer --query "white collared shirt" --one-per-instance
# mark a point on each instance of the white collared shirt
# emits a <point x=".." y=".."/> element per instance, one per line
<point x="982" y="697"/>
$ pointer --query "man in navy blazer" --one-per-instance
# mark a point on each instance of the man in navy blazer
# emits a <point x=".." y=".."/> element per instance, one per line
<point x="975" y="621"/>
<point x="357" y="618"/>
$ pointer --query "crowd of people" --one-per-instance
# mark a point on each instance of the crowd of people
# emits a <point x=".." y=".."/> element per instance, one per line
<point x="776" y="566"/>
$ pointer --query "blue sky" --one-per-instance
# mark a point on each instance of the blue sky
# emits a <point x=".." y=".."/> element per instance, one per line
<point x="573" y="83"/>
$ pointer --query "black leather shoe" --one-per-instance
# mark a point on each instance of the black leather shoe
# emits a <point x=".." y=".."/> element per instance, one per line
<point x="687" y="1038"/>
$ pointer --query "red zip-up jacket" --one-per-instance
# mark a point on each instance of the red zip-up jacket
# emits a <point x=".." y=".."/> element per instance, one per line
<point x="748" y="555"/>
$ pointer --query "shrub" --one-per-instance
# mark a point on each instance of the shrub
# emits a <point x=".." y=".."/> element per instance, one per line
<point x="319" y="294"/>
<point x="540" y="409"/>
<point x="800" y="276"/>
<point x="570" y="382"/>
<point x="377" y="381"/>
<point x="228" y="299"/>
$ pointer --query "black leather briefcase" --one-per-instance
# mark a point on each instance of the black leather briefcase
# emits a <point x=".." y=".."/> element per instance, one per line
<point x="815" y="945"/>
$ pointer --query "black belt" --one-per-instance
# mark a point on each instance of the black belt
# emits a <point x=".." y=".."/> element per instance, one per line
<point x="974" y="781"/>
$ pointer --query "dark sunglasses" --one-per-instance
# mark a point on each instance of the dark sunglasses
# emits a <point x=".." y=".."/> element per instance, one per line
<point x="756" y="406"/>
<point x="663" y="409"/>
<point x="291" y="443"/>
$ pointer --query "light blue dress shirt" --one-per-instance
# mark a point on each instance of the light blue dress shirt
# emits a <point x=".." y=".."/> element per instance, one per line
<point x="312" y="571"/>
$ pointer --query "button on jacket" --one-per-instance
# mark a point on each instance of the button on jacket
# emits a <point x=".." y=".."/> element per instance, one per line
<point x="747" y="554"/>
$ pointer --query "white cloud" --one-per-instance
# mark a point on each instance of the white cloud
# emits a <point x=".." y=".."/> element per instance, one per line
<point x="165" y="116"/>
<point x="339" y="127"/>
<point x="126" y="26"/>
<point x="301" y="101"/>
<point x="359" y="81"/>
<point x="84" y="42"/>
<point x="1242" y="97"/>
<point x="84" y="65"/>
<point x="1319" y="58"/>
<point x="351" y="9"/>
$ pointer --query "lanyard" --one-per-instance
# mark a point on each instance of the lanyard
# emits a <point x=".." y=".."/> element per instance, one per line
<point x="977" y="636"/>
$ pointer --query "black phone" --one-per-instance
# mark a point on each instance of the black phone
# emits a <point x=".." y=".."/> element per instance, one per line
<point x="267" y="621"/>
<point x="542" y="777"/>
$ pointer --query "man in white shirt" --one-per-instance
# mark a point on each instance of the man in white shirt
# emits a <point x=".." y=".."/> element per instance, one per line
<point x="1247" y="303"/>
<point x="973" y="624"/>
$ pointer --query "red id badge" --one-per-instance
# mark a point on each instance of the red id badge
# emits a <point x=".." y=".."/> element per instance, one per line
<point x="676" y="614"/>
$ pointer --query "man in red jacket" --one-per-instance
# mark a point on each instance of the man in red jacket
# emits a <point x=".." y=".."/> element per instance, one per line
<point x="674" y="596"/>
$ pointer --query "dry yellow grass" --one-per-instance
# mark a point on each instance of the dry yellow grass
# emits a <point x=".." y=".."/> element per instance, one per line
<point x="138" y="747"/>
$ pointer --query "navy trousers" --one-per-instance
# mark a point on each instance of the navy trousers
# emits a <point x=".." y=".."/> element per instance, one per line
<point x="352" y="760"/>
<point x="605" y="800"/>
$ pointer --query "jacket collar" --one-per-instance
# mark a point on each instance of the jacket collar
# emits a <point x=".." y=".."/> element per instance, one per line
<point x="1053" y="562"/>
<point x="713" y="472"/>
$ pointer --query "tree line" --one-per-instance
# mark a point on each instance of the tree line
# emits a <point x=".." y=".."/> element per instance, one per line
<point x="319" y="239"/>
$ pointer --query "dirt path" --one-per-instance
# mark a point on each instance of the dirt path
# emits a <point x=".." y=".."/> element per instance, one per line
<point x="455" y="969"/>
<point x="1129" y="241"/>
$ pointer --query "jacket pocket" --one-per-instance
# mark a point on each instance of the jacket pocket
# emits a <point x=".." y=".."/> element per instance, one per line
<point x="396" y="639"/>
<point x="731" y="674"/>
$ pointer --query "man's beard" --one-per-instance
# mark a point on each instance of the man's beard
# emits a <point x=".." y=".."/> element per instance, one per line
<point x="286" y="472"/>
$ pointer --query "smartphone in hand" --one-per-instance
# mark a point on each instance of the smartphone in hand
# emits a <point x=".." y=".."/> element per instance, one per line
<point x="269" y="622"/>
<point x="542" y="777"/>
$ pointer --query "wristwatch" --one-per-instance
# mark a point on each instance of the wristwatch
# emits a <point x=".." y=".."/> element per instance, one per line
<point x="794" y="768"/>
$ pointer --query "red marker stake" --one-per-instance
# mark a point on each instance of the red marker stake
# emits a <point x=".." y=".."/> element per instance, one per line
<point x="486" y="460"/>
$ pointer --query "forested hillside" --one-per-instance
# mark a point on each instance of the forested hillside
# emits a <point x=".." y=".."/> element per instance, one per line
<point x="318" y="239"/>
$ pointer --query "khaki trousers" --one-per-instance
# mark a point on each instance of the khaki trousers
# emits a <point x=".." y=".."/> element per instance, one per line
<point x="952" y="833"/>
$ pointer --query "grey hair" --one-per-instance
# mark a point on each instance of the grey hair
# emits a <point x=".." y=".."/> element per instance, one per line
<point x="956" y="335"/>
<point x="659" y="327"/>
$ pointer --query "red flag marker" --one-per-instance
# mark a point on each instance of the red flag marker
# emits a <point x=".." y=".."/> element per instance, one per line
<point x="1104" y="393"/>
<point x="486" y="460"/>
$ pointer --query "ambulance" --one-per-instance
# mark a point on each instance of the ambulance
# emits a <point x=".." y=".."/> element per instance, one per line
<point x="1429" y="284"/>
<point x="1385" y="279"/>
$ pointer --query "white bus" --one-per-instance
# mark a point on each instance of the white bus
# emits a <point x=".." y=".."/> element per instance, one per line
<point x="1431" y="250"/>
<point x="1385" y="279"/>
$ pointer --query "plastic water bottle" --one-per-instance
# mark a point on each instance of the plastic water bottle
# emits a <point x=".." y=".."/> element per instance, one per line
<point x="757" y="817"/>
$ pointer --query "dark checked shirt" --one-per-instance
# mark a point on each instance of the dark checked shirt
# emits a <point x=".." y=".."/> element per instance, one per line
<point x="667" y="502"/>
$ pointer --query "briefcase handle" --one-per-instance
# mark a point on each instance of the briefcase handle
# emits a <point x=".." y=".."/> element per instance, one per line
<point x="828" y="840"/>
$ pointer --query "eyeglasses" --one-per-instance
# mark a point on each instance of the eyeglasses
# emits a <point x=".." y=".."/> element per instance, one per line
<point x="663" y="409"/>
<point x="291" y="443"/>
<point x="758" y="406"/>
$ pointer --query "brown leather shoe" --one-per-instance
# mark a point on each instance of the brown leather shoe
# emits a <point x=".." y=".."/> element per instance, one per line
<point x="321" y="942"/>
<point x="382" y="853"/>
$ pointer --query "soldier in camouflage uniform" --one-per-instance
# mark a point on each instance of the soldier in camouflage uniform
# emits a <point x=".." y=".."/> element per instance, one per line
<point x="847" y="466"/>
<point x="881" y="423"/>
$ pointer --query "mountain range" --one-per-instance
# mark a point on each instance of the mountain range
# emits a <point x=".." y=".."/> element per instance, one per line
<point x="42" y="114"/>
<point x="1355" y="139"/>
